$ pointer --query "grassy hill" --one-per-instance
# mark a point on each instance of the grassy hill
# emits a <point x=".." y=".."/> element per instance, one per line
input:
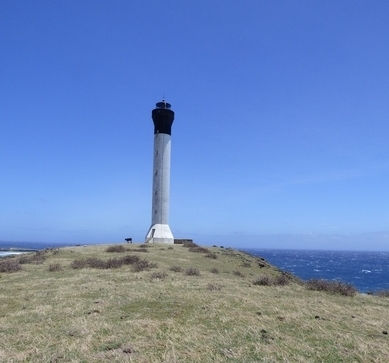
<point x="178" y="304"/>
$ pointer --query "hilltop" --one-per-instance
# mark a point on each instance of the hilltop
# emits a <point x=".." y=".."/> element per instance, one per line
<point x="157" y="303"/>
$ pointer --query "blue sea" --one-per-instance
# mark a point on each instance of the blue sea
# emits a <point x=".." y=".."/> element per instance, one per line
<point x="367" y="271"/>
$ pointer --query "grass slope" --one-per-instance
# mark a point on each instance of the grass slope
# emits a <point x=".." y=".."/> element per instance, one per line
<point x="179" y="306"/>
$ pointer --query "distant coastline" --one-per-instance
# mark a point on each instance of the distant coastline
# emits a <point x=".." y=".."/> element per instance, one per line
<point x="29" y="246"/>
<point x="13" y="249"/>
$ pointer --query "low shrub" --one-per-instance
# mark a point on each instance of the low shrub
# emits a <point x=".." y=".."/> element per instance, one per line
<point x="176" y="269"/>
<point x="262" y="280"/>
<point x="78" y="264"/>
<point x="214" y="270"/>
<point x="93" y="262"/>
<point x="246" y="264"/>
<point x="113" y="263"/>
<point x="143" y="265"/>
<point x="214" y="286"/>
<point x="159" y="275"/>
<point x="10" y="265"/>
<point x="33" y="258"/>
<point x="116" y="248"/>
<point x="54" y="267"/>
<point x="238" y="273"/>
<point x="189" y="244"/>
<point x="130" y="259"/>
<point x="199" y="249"/>
<point x="281" y="280"/>
<point x="382" y="293"/>
<point x="265" y="280"/>
<point x="192" y="271"/>
<point x="332" y="287"/>
<point x="211" y="255"/>
<point x="138" y="250"/>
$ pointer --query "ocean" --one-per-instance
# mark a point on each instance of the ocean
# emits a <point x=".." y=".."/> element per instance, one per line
<point x="25" y="245"/>
<point x="367" y="271"/>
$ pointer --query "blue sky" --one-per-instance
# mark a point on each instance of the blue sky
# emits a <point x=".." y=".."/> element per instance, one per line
<point x="280" y="135"/>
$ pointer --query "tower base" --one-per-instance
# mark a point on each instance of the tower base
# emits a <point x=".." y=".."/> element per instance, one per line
<point x="159" y="233"/>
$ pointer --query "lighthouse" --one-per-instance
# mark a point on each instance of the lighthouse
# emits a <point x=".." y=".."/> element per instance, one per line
<point x="159" y="231"/>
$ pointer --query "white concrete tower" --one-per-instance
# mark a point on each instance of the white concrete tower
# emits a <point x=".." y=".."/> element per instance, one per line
<point x="159" y="231"/>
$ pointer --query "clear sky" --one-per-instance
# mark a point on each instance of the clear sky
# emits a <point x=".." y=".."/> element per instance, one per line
<point x="280" y="138"/>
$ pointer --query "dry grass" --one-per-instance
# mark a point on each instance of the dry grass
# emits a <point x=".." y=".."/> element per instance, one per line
<point x="125" y="315"/>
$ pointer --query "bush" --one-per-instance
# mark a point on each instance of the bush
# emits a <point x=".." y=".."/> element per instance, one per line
<point x="36" y="258"/>
<point x="78" y="264"/>
<point x="10" y="265"/>
<point x="176" y="269"/>
<point x="199" y="249"/>
<point x="382" y="293"/>
<point x="130" y="259"/>
<point x="281" y="280"/>
<point x="238" y="273"/>
<point x="138" y="250"/>
<point x="211" y="255"/>
<point x="214" y="270"/>
<point x="142" y="265"/>
<point x="53" y="267"/>
<point x="214" y="286"/>
<point x="113" y="263"/>
<point x="189" y="244"/>
<point x="93" y="262"/>
<point x="263" y="280"/>
<point x="192" y="271"/>
<point x="117" y="248"/>
<point x="332" y="287"/>
<point x="159" y="275"/>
